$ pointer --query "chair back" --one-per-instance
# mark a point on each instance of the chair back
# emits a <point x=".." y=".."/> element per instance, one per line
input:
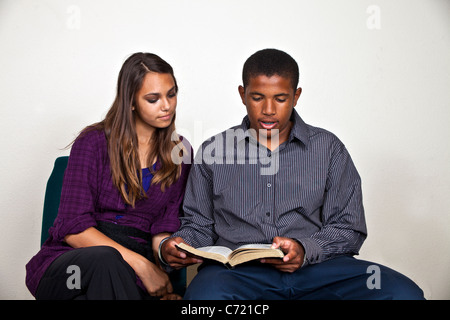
<point x="53" y="196"/>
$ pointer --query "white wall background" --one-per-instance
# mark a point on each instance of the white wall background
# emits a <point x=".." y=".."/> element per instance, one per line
<point x="375" y="72"/>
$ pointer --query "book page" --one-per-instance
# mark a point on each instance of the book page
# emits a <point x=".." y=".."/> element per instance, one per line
<point x="215" y="253"/>
<point x="252" y="252"/>
<point x="252" y="246"/>
<point x="225" y="255"/>
<point x="224" y="251"/>
<point x="256" y="246"/>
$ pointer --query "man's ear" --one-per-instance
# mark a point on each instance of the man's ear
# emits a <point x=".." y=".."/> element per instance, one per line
<point x="297" y="94"/>
<point x="242" y="93"/>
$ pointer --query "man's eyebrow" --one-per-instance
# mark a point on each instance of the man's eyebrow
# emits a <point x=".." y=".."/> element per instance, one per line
<point x="277" y="95"/>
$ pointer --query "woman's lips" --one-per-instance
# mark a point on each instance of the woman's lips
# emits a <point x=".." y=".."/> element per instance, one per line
<point x="166" y="117"/>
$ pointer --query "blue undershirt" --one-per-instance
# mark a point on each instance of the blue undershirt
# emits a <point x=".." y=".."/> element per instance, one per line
<point x="147" y="177"/>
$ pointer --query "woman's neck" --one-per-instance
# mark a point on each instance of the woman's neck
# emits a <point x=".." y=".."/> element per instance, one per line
<point x="144" y="137"/>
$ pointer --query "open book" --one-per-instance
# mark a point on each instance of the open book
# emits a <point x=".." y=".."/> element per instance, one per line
<point x="230" y="257"/>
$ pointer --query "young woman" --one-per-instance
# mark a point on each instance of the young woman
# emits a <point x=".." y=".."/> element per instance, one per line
<point x="121" y="195"/>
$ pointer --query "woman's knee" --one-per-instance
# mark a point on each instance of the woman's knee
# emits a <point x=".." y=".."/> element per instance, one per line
<point x="100" y="253"/>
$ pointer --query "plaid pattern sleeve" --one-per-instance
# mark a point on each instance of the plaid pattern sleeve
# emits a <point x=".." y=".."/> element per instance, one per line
<point x="79" y="188"/>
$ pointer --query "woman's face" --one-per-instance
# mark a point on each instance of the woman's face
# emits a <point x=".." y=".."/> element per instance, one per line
<point x="155" y="102"/>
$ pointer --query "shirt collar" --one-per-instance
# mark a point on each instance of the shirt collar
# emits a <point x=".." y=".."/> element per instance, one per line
<point x="299" y="129"/>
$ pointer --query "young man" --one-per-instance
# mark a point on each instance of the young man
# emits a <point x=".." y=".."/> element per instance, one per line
<point x="275" y="179"/>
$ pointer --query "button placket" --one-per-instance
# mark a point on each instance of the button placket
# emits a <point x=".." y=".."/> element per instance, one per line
<point x="269" y="198"/>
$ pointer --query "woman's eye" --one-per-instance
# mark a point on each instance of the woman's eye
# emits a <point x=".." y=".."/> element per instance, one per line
<point x="152" y="100"/>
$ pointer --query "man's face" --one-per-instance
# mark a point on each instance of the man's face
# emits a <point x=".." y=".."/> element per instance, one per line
<point x="269" y="102"/>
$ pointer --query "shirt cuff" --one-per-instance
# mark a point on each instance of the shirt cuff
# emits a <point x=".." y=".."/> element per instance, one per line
<point x="313" y="252"/>
<point x="64" y="226"/>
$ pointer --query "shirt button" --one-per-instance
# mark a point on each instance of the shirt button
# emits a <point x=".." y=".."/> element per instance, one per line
<point x="268" y="214"/>
<point x="269" y="185"/>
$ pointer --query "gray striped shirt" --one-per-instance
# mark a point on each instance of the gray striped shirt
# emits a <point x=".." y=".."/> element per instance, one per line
<point x="308" y="189"/>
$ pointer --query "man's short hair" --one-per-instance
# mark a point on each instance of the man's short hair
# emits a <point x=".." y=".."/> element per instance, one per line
<point x="269" y="62"/>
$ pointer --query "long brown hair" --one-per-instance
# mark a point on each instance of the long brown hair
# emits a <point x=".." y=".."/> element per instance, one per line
<point x="120" y="131"/>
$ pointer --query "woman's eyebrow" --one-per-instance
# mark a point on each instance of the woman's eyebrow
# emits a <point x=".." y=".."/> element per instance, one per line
<point x="157" y="93"/>
<point x="171" y="89"/>
<point x="152" y="94"/>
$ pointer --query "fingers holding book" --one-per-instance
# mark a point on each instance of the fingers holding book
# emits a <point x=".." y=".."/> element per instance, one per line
<point x="173" y="256"/>
<point x="294" y="254"/>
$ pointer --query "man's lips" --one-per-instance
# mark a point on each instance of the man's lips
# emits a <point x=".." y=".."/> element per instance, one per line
<point x="268" y="124"/>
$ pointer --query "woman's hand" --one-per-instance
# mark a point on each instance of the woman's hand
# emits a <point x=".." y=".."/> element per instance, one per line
<point x="172" y="296"/>
<point x="155" y="280"/>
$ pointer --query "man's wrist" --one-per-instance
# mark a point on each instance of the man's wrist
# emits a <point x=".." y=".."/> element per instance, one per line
<point x="304" y="262"/>
<point x="161" y="258"/>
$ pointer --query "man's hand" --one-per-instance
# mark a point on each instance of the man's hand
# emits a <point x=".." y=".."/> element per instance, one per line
<point x="175" y="258"/>
<point x="294" y="254"/>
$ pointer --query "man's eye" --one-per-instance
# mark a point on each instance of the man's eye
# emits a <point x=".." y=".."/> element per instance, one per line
<point x="281" y="100"/>
<point x="256" y="98"/>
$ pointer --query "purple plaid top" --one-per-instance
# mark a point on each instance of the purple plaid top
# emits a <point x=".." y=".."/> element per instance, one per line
<point x="88" y="195"/>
